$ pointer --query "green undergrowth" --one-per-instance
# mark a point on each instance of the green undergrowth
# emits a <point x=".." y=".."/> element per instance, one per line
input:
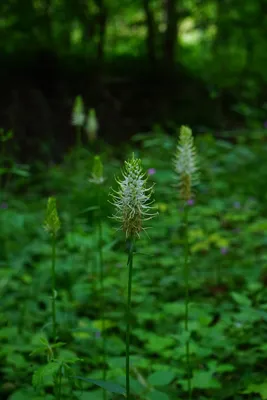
<point x="228" y="309"/>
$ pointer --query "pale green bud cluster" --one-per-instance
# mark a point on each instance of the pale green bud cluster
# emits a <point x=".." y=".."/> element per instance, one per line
<point x="78" y="115"/>
<point x="97" y="171"/>
<point x="91" y="126"/>
<point x="52" y="222"/>
<point x="132" y="200"/>
<point x="185" y="163"/>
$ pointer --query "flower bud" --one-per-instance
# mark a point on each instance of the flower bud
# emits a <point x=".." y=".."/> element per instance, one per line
<point x="78" y="116"/>
<point x="52" y="222"/>
<point x="97" y="172"/>
<point x="91" y="126"/>
<point x="185" y="164"/>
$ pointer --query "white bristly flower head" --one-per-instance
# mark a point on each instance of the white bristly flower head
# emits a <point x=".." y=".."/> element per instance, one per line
<point x="132" y="200"/>
<point x="185" y="163"/>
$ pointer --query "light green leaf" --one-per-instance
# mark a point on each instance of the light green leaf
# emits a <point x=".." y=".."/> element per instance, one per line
<point x="204" y="380"/>
<point x="241" y="299"/>
<point x="161" y="378"/>
<point x="102" y="325"/>
<point x="156" y="395"/>
<point x="109" y="386"/>
<point x="46" y="371"/>
<point x="260" y="389"/>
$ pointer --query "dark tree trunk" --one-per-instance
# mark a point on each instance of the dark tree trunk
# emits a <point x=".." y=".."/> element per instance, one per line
<point x="102" y="28"/>
<point x="170" y="37"/>
<point x="151" y="32"/>
<point x="87" y="19"/>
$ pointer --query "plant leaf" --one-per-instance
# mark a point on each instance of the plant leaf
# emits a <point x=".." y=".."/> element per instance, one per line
<point x="161" y="378"/>
<point x="109" y="386"/>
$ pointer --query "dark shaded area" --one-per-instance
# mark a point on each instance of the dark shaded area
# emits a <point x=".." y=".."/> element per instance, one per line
<point x="138" y="64"/>
<point x="39" y="95"/>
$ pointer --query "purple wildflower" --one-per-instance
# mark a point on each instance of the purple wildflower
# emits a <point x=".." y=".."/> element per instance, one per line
<point x="191" y="202"/>
<point x="224" y="250"/>
<point x="98" y="334"/>
<point x="237" y="204"/>
<point x="265" y="124"/>
<point x="3" y="205"/>
<point x="151" y="171"/>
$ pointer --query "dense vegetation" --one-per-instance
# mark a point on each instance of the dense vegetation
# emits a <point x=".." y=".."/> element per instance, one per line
<point x="227" y="239"/>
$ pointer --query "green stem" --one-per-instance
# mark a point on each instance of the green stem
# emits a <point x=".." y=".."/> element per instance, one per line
<point x="60" y="383"/>
<point x="128" y="316"/>
<point x="102" y="311"/>
<point x="79" y="137"/>
<point x="53" y="274"/>
<point x="187" y="296"/>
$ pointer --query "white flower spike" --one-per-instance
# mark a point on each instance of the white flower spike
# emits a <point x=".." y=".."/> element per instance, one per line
<point x="91" y="126"/>
<point x="97" y="172"/>
<point x="78" y="116"/>
<point x="132" y="200"/>
<point x="185" y="163"/>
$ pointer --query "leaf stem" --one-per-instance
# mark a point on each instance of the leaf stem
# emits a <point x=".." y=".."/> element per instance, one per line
<point x="128" y="316"/>
<point x="53" y="274"/>
<point x="187" y="298"/>
<point x="59" y="383"/>
<point x="79" y="137"/>
<point x="102" y="305"/>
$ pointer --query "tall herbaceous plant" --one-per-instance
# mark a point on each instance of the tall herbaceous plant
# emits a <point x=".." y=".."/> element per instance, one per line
<point x="97" y="179"/>
<point x="186" y="170"/>
<point x="133" y="206"/>
<point x="52" y="225"/>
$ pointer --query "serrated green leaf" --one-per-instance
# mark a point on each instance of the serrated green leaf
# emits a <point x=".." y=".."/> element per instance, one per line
<point x="46" y="371"/>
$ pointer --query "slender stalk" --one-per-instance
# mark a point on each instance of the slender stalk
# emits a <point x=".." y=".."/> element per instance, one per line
<point x="128" y="315"/>
<point x="187" y="297"/>
<point x="79" y="137"/>
<point x="53" y="274"/>
<point x="59" y="384"/>
<point x="2" y="160"/>
<point x="102" y="305"/>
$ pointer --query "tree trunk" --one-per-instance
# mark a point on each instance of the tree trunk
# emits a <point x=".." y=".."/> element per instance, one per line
<point x="151" y="32"/>
<point x="102" y="28"/>
<point x="171" y="33"/>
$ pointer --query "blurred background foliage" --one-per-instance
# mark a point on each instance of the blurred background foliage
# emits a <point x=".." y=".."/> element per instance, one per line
<point x="137" y="63"/>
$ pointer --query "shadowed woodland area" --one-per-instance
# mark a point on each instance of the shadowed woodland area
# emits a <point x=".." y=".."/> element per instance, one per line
<point x="138" y="63"/>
